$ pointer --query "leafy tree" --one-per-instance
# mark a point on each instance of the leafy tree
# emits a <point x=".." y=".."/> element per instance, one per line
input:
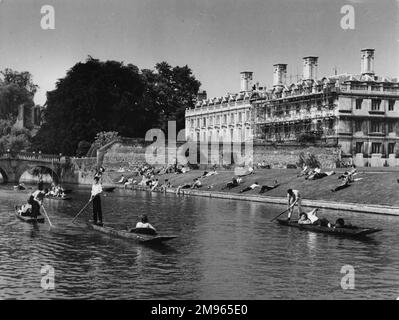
<point x="12" y="138"/>
<point x="22" y="80"/>
<point x="170" y="91"/>
<point x="16" y="88"/>
<point x="110" y="96"/>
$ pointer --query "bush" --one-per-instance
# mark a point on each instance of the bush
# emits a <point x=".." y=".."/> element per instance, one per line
<point x="309" y="160"/>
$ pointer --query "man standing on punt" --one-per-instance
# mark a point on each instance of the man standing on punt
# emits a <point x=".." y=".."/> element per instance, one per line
<point x="96" y="191"/>
<point x="294" y="198"/>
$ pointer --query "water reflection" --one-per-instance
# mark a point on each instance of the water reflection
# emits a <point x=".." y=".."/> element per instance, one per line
<point x="224" y="250"/>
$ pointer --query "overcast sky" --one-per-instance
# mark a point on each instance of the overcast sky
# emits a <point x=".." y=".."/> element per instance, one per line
<point x="216" y="38"/>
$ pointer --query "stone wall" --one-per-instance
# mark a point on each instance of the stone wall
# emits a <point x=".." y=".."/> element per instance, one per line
<point x="279" y="156"/>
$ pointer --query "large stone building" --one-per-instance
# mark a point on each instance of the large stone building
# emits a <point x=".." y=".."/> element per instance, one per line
<point x="226" y="118"/>
<point x="359" y="112"/>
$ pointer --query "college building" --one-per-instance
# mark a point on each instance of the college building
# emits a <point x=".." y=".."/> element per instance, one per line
<point x="358" y="112"/>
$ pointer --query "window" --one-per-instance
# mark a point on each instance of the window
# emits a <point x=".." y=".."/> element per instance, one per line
<point x="390" y="126"/>
<point x="297" y="109"/>
<point x="375" y="105"/>
<point x="376" y="147"/>
<point x="358" y="126"/>
<point x="391" y="148"/>
<point x="391" y="104"/>
<point x="239" y="117"/>
<point x="198" y="123"/>
<point x="225" y="118"/>
<point x="248" y="116"/>
<point x="204" y="122"/>
<point x="375" y="126"/>
<point x="359" y="147"/>
<point x="359" y="104"/>
<point x="232" y="118"/>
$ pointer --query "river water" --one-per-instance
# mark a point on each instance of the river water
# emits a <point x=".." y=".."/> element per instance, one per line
<point x="224" y="250"/>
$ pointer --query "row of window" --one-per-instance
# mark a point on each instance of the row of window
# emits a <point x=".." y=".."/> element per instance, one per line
<point x="376" y="126"/>
<point x="375" y="104"/>
<point x="241" y="134"/>
<point x="376" y="147"/>
<point x="213" y="120"/>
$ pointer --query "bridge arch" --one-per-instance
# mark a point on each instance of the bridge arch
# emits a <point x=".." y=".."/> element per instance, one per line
<point x="4" y="175"/>
<point x="43" y="168"/>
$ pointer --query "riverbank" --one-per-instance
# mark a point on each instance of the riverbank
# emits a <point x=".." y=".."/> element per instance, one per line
<point x="377" y="191"/>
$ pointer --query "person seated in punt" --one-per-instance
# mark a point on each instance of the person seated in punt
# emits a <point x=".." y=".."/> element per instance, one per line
<point x="340" y="223"/>
<point x="21" y="186"/>
<point x="251" y="187"/>
<point x="25" y="210"/>
<point x="268" y="188"/>
<point x="144" y="227"/>
<point x="304" y="219"/>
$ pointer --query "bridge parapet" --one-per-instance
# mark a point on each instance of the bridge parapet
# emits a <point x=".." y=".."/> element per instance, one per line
<point x="30" y="156"/>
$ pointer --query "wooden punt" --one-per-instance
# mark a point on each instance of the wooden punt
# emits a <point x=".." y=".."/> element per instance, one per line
<point x="135" y="236"/>
<point x="28" y="219"/>
<point x="348" y="231"/>
<point x="58" y="198"/>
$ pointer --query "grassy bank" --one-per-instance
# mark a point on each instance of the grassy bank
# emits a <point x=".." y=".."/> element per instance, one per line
<point x="376" y="188"/>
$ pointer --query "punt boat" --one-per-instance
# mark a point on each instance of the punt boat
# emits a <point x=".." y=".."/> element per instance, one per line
<point x="140" y="235"/>
<point x="58" y="198"/>
<point x="28" y="219"/>
<point x="350" y="231"/>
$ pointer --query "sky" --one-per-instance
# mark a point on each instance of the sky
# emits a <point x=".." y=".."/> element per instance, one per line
<point x="217" y="39"/>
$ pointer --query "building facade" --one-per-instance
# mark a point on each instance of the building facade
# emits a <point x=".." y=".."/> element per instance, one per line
<point x="359" y="112"/>
<point x="226" y="118"/>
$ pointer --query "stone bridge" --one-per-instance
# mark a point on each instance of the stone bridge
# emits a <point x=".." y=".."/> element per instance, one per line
<point x="13" y="165"/>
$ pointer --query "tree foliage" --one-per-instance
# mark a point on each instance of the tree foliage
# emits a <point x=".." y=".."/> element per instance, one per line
<point x="97" y="96"/>
<point x="12" y="138"/>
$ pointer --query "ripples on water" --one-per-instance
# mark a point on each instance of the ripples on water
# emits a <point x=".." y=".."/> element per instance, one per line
<point x="225" y="250"/>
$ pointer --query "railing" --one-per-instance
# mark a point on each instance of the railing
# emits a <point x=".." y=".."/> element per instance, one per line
<point x="31" y="156"/>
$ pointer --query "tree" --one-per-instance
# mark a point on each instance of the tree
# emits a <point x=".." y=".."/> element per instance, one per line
<point x="12" y="138"/>
<point x="93" y="97"/>
<point x="21" y="79"/>
<point x="109" y="96"/>
<point x="16" y="88"/>
<point x="170" y="91"/>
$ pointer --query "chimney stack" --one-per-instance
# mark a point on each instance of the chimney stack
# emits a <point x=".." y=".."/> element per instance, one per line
<point x="367" y="61"/>
<point x="279" y="74"/>
<point x="246" y="80"/>
<point x="310" y="68"/>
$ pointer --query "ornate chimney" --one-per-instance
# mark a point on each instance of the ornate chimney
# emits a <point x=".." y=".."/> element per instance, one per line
<point x="367" y="61"/>
<point x="246" y="80"/>
<point x="310" y="68"/>
<point x="279" y="74"/>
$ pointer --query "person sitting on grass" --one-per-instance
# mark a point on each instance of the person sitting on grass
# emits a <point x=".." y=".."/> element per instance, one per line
<point x="345" y="184"/>
<point x="268" y="188"/>
<point x="197" y="184"/>
<point x="233" y="183"/>
<point x="122" y="179"/>
<point x="251" y="187"/>
<point x="154" y="184"/>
